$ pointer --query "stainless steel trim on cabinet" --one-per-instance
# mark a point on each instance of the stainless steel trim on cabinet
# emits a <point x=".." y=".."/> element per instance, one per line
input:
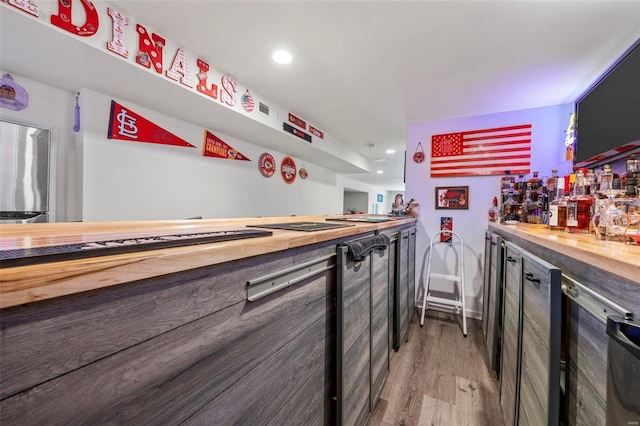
<point x="594" y="303"/>
<point x="264" y="286"/>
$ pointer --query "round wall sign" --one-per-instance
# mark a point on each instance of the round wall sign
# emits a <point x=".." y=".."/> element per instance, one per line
<point x="303" y="173"/>
<point x="288" y="170"/>
<point x="267" y="165"/>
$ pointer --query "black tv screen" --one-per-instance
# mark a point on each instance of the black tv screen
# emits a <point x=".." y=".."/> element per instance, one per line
<point x="608" y="113"/>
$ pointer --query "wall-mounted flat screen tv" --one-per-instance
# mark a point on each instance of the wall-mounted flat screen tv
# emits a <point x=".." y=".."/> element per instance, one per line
<point x="608" y="113"/>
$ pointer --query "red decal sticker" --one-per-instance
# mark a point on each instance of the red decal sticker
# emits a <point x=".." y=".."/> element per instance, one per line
<point x="316" y="132"/>
<point x="297" y="121"/>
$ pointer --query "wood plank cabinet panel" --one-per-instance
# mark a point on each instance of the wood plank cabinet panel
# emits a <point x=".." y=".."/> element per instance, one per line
<point x="511" y="336"/>
<point x="411" y="275"/>
<point x="402" y="289"/>
<point x="587" y="369"/>
<point x="354" y="338"/>
<point x="174" y="374"/>
<point x="379" y="322"/>
<point x="539" y="393"/>
<point x="44" y="340"/>
<point x="486" y="285"/>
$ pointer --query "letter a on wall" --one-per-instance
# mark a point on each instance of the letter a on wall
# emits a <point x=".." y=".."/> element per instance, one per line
<point x="125" y="124"/>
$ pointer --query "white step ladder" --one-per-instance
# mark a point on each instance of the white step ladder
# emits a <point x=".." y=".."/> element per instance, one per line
<point x="456" y="304"/>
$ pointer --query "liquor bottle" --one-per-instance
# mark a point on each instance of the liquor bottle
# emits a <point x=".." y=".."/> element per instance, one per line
<point x="494" y="212"/>
<point x="552" y="185"/>
<point x="558" y="208"/>
<point x="579" y="207"/>
<point x="535" y="182"/>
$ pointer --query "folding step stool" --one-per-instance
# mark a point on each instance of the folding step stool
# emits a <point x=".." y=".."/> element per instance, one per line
<point x="458" y="303"/>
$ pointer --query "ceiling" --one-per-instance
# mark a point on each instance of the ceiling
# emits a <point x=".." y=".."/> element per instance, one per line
<point x="364" y="70"/>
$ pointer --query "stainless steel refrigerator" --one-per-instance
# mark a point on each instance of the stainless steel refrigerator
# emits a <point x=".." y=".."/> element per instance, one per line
<point x="24" y="173"/>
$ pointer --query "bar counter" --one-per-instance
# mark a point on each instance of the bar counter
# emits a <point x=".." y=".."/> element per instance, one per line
<point x="25" y="284"/>
<point x="611" y="256"/>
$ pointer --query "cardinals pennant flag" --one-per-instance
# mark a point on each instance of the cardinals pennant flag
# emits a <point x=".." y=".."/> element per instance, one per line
<point x="125" y="124"/>
<point x="215" y="147"/>
<point x="482" y="152"/>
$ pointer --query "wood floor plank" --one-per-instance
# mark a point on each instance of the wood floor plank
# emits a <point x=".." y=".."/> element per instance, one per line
<point x="440" y="377"/>
<point x="436" y="413"/>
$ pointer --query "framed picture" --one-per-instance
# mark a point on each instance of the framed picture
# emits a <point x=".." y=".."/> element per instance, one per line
<point x="452" y="197"/>
<point x="379" y="198"/>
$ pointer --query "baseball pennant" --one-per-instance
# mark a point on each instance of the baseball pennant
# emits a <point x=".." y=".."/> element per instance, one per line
<point x="215" y="147"/>
<point x="126" y="125"/>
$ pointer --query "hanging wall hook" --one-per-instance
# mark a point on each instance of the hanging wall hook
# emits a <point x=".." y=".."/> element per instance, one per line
<point x="76" y="124"/>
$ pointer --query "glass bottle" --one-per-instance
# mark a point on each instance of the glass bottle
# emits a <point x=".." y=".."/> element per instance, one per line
<point x="535" y="182"/>
<point x="552" y="185"/>
<point x="579" y="207"/>
<point x="558" y="208"/>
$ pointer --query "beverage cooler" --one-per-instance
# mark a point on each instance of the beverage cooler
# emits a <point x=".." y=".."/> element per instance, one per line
<point x="623" y="371"/>
<point x="24" y="173"/>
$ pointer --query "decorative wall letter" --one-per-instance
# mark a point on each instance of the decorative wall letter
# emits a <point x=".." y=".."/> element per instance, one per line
<point x="202" y="80"/>
<point x="116" y="45"/>
<point x="228" y="94"/>
<point x="25" y="6"/>
<point x="63" y="18"/>
<point x="149" y="52"/>
<point x="180" y="69"/>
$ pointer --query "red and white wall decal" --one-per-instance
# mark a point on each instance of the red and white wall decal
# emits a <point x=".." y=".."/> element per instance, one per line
<point x="267" y="165"/>
<point x="288" y="170"/>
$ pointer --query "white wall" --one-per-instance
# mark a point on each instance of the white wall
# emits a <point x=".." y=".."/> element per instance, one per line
<point x="134" y="181"/>
<point x="53" y="109"/>
<point x="548" y="152"/>
<point x="344" y="182"/>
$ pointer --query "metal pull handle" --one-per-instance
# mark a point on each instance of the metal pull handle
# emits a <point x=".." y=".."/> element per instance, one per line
<point x="626" y="332"/>
<point x="511" y="259"/>
<point x="529" y="277"/>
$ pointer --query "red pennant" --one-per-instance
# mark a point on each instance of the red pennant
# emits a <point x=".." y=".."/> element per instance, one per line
<point x="215" y="147"/>
<point x="125" y="124"/>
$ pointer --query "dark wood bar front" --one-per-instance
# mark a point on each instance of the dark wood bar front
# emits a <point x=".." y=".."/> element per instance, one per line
<point x="170" y="336"/>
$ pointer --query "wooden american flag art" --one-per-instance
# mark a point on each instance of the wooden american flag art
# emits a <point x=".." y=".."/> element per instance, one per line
<point x="482" y="152"/>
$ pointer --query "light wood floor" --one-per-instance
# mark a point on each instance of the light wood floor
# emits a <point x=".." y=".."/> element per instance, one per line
<point x="439" y="377"/>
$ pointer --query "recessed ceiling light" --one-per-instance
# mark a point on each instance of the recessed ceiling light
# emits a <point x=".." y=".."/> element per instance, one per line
<point x="282" y="57"/>
<point x="391" y="151"/>
<point x="379" y="172"/>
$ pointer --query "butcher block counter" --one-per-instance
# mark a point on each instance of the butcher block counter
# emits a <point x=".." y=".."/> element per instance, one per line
<point x="31" y="283"/>
<point x="611" y="256"/>
<point x="229" y="332"/>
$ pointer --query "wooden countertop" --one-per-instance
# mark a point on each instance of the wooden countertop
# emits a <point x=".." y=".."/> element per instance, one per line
<point x="615" y="257"/>
<point x="24" y="284"/>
